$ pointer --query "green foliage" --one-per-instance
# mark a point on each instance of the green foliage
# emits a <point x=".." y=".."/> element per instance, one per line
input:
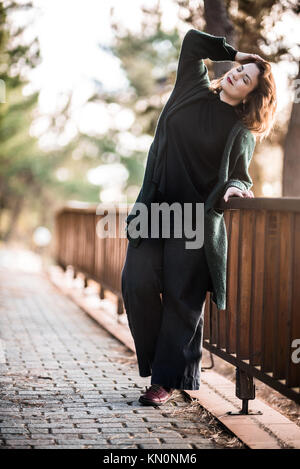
<point x="28" y="178"/>
<point x="149" y="62"/>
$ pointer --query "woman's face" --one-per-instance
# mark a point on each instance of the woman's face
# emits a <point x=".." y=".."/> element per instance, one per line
<point x="240" y="80"/>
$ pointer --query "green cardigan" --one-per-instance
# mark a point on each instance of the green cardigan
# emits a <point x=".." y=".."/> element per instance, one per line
<point x="192" y="82"/>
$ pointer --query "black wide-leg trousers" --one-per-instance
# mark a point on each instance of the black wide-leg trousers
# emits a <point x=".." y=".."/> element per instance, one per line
<point x="167" y="331"/>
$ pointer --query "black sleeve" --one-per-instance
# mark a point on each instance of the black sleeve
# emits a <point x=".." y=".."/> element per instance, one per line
<point x="195" y="47"/>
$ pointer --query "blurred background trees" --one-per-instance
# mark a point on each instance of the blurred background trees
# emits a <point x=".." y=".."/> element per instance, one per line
<point x="249" y="27"/>
<point x="47" y="159"/>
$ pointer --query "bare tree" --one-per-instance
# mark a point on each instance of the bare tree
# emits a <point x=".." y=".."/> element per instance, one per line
<point x="218" y="23"/>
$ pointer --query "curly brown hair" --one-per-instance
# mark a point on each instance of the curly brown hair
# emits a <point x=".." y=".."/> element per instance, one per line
<point x="258" y="112"/>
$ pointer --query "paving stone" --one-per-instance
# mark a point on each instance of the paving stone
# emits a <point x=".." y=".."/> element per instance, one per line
<point x="77" y="442"/>
<point x="42" y="436"/>
<point x="113" y="430"/>
<point x="56" y="446"/>
<point x="14" y="431"/>
<point x="38" y="431"/>
<point x="135" y="440"/>
<point x="44" y="442"/>
<point x="123" y="446"/>
<point x="18" y="447"/>
<point x="49" y="425"/>
<point x="64" y="430"/>
<point x="178" y="446"/>
<point x="17" y="442"/>
<point x="14" y="424"/>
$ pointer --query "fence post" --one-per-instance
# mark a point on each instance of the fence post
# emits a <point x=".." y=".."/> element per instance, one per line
<point x="245" y="390"/>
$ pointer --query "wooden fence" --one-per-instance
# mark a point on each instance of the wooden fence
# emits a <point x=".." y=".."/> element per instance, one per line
<point x="258" y="331"/>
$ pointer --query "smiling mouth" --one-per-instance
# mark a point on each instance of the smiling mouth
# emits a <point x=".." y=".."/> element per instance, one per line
<point x="228" y="79"/>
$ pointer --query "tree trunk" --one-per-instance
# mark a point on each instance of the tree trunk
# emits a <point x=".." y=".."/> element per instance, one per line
<point x="291" y="160"/>
<point x="219" y="24"/>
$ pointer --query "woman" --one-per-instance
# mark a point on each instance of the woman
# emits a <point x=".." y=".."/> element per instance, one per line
<point x="203" y="144"/>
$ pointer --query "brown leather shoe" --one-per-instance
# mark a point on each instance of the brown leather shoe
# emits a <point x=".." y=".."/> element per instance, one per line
<point x="156" y="395"/>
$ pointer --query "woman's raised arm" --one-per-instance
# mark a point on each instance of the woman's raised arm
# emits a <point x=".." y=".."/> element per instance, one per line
<point x="195" y="47"/>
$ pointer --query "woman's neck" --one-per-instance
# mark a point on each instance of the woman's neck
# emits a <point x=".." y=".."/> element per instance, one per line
<point x="226" y="99"/>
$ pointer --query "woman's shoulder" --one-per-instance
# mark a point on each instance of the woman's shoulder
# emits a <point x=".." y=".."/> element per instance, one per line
<point x="245" y="134"/>
<point x="244" y="140"/>
<point x="250" y="137"/>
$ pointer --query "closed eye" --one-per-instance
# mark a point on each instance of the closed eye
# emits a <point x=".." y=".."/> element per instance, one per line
<point x="240" y="69"/>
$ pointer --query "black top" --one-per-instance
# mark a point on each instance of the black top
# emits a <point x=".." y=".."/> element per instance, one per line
<point x="197" y="134"/>
<point x="196" y="137"/>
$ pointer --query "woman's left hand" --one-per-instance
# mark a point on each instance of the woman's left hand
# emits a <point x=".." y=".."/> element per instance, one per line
<point x="235" y="191"/>
<point x="245" y="56"/>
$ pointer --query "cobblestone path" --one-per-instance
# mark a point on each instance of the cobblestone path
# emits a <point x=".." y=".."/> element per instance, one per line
<point x="66" y="383"/>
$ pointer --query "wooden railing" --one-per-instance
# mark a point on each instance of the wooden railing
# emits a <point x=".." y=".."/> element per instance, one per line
<point x="78" y="245"/>
<point x="256" y="332"/>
